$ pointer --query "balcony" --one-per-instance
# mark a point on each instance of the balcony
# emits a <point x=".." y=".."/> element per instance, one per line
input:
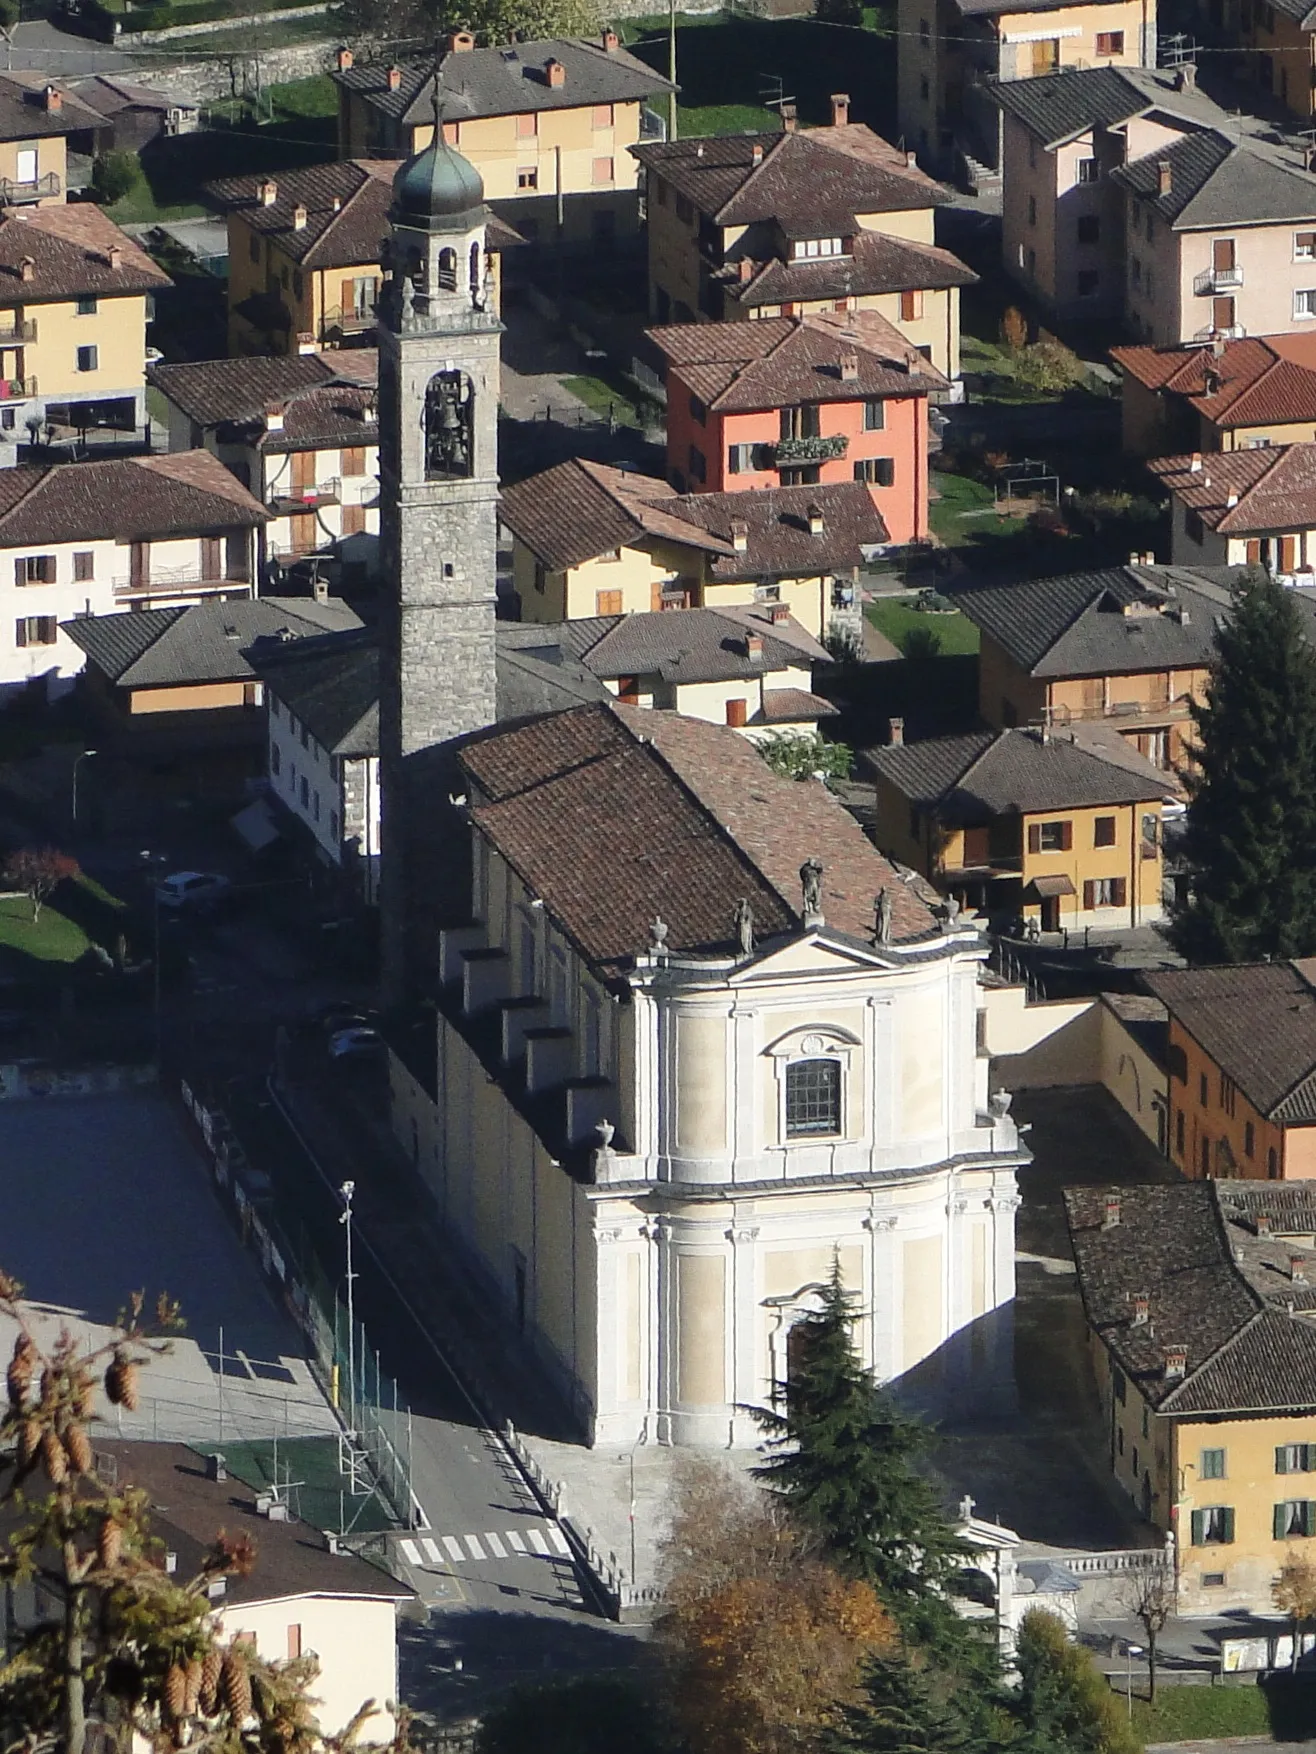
<point x="14" y="330"/>
<point x="13" y="193"/>
<point x="1158" y="712"/>
<point x="348" y="320"/>
<point x="789" y="452"/>
<point x="17" y="389"/>
<point x="305" y="499"/>
<point x="171" y="581"/>
<point x="1235" y="332"/>
<point x="1214" y="280"/>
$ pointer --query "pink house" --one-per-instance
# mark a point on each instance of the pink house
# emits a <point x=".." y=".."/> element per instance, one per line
<point x="794" y="401"/>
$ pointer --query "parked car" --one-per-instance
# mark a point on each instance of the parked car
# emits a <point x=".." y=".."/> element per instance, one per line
<point x="192" y="889"/>
<point x="357" y="1043"/>
<point x="337" y="1015"/>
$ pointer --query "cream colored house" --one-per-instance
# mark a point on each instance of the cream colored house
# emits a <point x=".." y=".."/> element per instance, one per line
<point x="1239" y="508"/>
<point x="37" y="116"/>
<point x="699" y="1041"/>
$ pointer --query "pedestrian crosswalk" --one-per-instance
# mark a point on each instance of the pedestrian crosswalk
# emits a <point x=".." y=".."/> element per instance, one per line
<point x="531" y="1541"/>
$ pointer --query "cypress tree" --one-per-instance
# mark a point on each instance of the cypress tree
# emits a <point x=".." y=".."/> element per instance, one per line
<point x="840" y="1453"/>
<point x="1065" y="1703"/>
<point x="1251" y="839"/>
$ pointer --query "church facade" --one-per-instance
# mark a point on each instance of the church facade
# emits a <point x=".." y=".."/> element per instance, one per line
<point x="686" y="1038"/>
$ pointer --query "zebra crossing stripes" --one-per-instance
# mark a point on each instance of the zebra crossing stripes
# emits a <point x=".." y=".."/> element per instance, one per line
<point x="495" y="1546"/>
<point x="528" y="1542"/>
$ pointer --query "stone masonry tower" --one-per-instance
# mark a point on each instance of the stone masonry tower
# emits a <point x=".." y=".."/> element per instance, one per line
<point x="438" y="452"/>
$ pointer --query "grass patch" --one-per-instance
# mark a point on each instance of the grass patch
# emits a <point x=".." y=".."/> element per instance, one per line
<point x="726" y="119"/>
<point x="1183" y="1714"/>
<point x="896" y="617"/>
<point x="964" y="513"/>
<point x="52" y="938"/>
<point x="602" y="398"/>
<point x="316" y="96"/>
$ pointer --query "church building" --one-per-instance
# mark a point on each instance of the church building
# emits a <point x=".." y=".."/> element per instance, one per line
<point x="685" y="1037"/>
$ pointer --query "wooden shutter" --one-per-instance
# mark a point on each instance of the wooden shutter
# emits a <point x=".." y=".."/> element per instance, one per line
<point x="1253" y="552"/>
<point x="1222" y="313"/>
<point x="1281" y="1458"/>
<point x="1034" y="837"/>
<point x="607" y="602"/>
<point x="1279" y="1521"/>
<point x="20" y="633"/>
<point x="1119" y="892"/>
<point x="347" y="297"/>
<point x="354" y="520"/>
<point x="354" y="460"/>
<point x="1228" y="1534"/>
<point x="1066" y="836"/>
<point x="1089" y="895"/>
<point x="303" y="471"/>
<point x="1288" y="553"/>
<point x="1199" y="1527"/>
<point x="212" y="564"/>
<point x="1222" y="255"/>
<point x="20" y="572"/>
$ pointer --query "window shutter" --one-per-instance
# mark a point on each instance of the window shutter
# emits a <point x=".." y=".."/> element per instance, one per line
<point x="1066" y="836"/>
<point x="1309" y="1517"/>
<point x="1228" y="1521"/>
<point x="1034" y="837"/>
<point x="1119" y="891"/>
<point x="20" y="633"/>
<point x="1281" y="1458"/>
<point x="1280" y="1521"/>
<point x="1089" y="895"/>
<point x="1199" y="1525"/>
<point x="20" y="572"/>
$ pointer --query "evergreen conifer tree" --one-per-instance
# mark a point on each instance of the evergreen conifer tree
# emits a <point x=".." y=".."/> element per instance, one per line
<point x="901" y="1713"/>
<point x="840" y="1454"/>
<point x="1251" y="839"/>
<point x="1065" y="1704"/>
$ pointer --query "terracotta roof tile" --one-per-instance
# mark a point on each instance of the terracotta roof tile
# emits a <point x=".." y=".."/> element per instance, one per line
<point x="1268" y="487"/>
<point x="25" y="113"/>
<point x="876" y="264"/>
<point x="1247" y="382"/>
<point x="126" y="498"/>
<point x="70" y="251"/>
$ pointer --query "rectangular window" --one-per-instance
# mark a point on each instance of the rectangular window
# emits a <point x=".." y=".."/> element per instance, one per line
<point x="36" y="630"/>
<point x="813" y="1098"/>
<point x="1295" y="1458"/>
<point x="1194" y="528"/>
<point x="685" y="211"/>
<point x="1222" y="313"/>
<point x="353" y="460"/>
<point x="740" y="459"/>
<point x="253" y="247"/>
<point x="1103" y="831"/>
<point x="1304" y="246"/>
<point x="698" y="412"/>
<point x="1104" y="892"/>
<point x="911" y="307"/>
<point x="1296" y="1517"/>
<point x="698" y="468"/>
<point x="875" y="416"/>
<point x="87" y="305"/>
<point x="276" y="758"/>
<point x="1228" y="1090"/>
<point x="1213" y="1526"/>
<point x="25" y="166"/>
<point x="527" y="126"/>
<point x="88" y="359"/>
<point x="1032" y="210"/>
<point x="1178" y="1134"/>
<point x="1050" y="837"/>
<point x="527" y="177"/>
<point x="1249" y="1139"/>
<point x="1089" y="229"/>
<point x="1110" y="42"/>
<point x="602" y="172"/>
<point x="876" y="471"/>
<point x="1213" y="1464"/>
<point x="354" y="520"/>
<point x="35" y="569"/>
<point x="1304" y="302"/>
<point x="607" y="602"/>
<point x="1088" y="170"/>
<point x="602" y="116"/>
<point x="84" y="567"/>
<point x="1089" y="282"/>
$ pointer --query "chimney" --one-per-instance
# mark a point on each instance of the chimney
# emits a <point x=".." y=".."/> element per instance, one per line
<point x="1111" y="1212"/>
<point x="555" y="73"/>
<point x="849" y="367"/>
<point x="215" y="1469"/>
<point x="267" y="191"/>
<point x="320" y="587"/>
<point x="344" y="57"/>
<point x="1218" y="346"/>
<point x="114" y="256"/>
<point x="54" y="100"/>
<point x="1231" y="502"/>
<point x="911" y="160"/>
<point x="27" y="269"/>
<point x="840" y="108"/>
<point x="1186" y="78"/>
<point x="1141" y="1304"/>
<point x="1195" y="463"/>
<point x="274" y="419"/>
<point x="1263" y="1223"/>
<point x="739" y="535"/>
<point x="896" y="733"/>
<point x="789" y="114"/>
<point x="394" y="77"/>
<point x="745" y="269"/>
<point x="778" y="612"/>
<point x="461" y="42"/>
<point x="1164" y="177"/>
<point x="754" y="647"/>
<point x="299" y="217"/>
<point x="1176" y="1363"/>
<point x="306" y="342"/>
<point x="611" y="41"/>
<point x="814" y="513"/>
<point x="756" y="152"/>
<point x="1298" y="1269"/>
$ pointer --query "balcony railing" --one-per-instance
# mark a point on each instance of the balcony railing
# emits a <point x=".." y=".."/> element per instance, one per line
<point x="1235" y="332"/>
<point x="296" y="499"/>
<point x="1168" y="708"/>
<point x="789" y="451"/>
<point x="1212" y="280"/>
<point x="15" y="329"/>
<point x="171" y="579"/>
<point x="17" y="389"/>
<point x="348" y="319"/>
<point x="12" y="192"/>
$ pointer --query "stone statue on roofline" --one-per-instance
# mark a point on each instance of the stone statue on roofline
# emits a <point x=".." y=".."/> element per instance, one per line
<point x="744" y="923"/>
<point x="811" y="876"/>
<point x="882" y="916"/>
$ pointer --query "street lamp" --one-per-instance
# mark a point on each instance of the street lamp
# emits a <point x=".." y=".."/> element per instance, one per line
<point x="1130" y="1651"/>
<point x="77" y="763"/>
<point x="345" y="1219"/>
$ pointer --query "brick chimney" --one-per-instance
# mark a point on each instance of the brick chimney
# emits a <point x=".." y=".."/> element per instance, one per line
<point x="54" y="99"/>
<point x="754" y="647"/>
<point x="756" y="152"/>
<point x="789" y="116"/>
<point x="840" y="108"/>
<point x="1164" y="177"/>
<point x="1195" y="463"/>
<point x="778" y="612"/>
<point x="1111" y="1212"/>
<point x="267" y="191"/>
<point x="555" y="73"/>
<point x="1186" y="77"/>
<point x="745" y="269"/>
<point x="114" y="256"/>
<point x="739" y="535"/>
<point x="1298" y="1269"/>
<point x="274" y="418"/>
<point x="1176" y="1363"/>
<point x="849" y="367"/>
<point x="1263" y="1223"/>
<point x="896" y="733"/>
<point x="911" y="160"/>
<point x="460" y="42"/>
<point x="27" y="268"/>
<point x="1140" y="1307"/>
<point x="611" y="41"/>
<point x="814" y="513"/>
<point x="299" y="217"/>
<point x="394" y="77"/>
<point x="344" y="57"/>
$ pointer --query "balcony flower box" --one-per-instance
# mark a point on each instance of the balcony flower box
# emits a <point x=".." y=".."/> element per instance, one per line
<point x="811" y="450"/>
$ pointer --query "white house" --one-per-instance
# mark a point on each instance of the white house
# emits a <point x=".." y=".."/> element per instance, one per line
<point x="699" y="1040"/>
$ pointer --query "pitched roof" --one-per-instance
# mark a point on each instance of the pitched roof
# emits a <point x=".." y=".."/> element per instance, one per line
<point x="615" y="816"/>
<point x="70" y="251"/>
<point x="125" y="498"/>
<point x="27" y="113"/>
<point x="1257" y="1021"/>
<point x="109" y="96"/>
<point x="188" y="1510"/>
<point x="779" y="361"/>
<point x="811" y="184"/>
<point x="1215" y="182"/>
<point x="346" y="204"/>
<point x="1058" y="106"/>
<point x="213" y="392"/>
<point x="876" y="263"/>
<point x="331" y="684"/>
<point x="198" y="642"/>
<point x="578" y="510"/>
<point x="1214" y="1287"/>
<point x="687" y="645"/>
<point x="1252" y="381"/>
<point x="1266" y="487"/>
<point x="973" y="778"/>
<point x="506" y="80"/>
<point x="1117" y="621"/>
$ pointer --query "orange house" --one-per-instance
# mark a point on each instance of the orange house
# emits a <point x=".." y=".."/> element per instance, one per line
<point x="1242" y="1064"/>
<point x="801" y="401"/>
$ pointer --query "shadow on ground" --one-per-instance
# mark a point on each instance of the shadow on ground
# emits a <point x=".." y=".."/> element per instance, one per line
<point x="498" y="1651"/>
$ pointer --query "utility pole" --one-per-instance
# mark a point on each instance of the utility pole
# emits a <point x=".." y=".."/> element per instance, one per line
<point x="671" y="68"/>
<point x="345" y="1219"/>
<point x="77" y="762"/>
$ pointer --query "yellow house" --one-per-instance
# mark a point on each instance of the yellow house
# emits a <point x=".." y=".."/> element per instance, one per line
<point x="303" y="252"/>
<point x="953" y="52"/>
<point x="592" y="540"/>
<point x="1278" y="34"/>
<point x="548" y="125"/>
<point x="1024" y="823"/>
<point x="1199" y="1307"/>
<point x="770" y="225"/>
<point x="74" y="301"/>
<point x="1230" y="396"/>
<point x="36" y="118"/>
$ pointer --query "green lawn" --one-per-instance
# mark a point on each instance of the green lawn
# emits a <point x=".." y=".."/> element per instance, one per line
<point x="964" y="512"/>
<point x="601" y="397"/>
<point x="52" y="938"/>
<point x="726" y="119"/>
<point x="1183" y="1714"/>
<point x="895" y="617"/>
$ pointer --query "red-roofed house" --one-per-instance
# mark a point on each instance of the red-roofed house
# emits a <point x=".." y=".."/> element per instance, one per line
<point x="1237" y="508"/>
<point x="1226" y="396"/>
<point x="797" y="401"/>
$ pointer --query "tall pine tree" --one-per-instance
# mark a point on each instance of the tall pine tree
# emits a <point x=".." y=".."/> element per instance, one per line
<point x="840" y="1454"/>
<point x="1251" y="839"/>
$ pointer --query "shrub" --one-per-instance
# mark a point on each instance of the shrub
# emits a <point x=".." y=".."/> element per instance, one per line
<point x="113" y="176"/>
<point x="797" y="755"/>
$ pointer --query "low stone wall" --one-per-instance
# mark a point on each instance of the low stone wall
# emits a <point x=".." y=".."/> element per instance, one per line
<point x="239" y="74"/>
<point x="20" y="1079"/>
<point x="138" y="39"/>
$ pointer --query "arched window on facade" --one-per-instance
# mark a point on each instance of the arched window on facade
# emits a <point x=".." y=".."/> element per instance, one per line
<point x="448" y="270"/>
<point x="449" y="425"/>
<point x="476" y="276"/>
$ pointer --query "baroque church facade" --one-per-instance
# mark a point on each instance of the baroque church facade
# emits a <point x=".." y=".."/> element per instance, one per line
<point x="686" y="1039"/>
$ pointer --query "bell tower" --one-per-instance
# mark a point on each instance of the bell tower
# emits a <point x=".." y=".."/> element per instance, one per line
<point x="438" y="452"/>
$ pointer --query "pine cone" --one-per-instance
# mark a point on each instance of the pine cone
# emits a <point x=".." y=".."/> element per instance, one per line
<point x="29" y="1441"/>
<point x="121" y="1381"/>
<point x="78" y="1445"/>
<point x="192" y="1698"/>
<point x="212" y="1665"/>
<point x="236" y="1683"/>
<point x="52" y="1454"/>
<point x="109" y="1543"/>
<point x="84" y="1396"/>
<point x="18" y="1377"/>
<point x="175" y="1690"/>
